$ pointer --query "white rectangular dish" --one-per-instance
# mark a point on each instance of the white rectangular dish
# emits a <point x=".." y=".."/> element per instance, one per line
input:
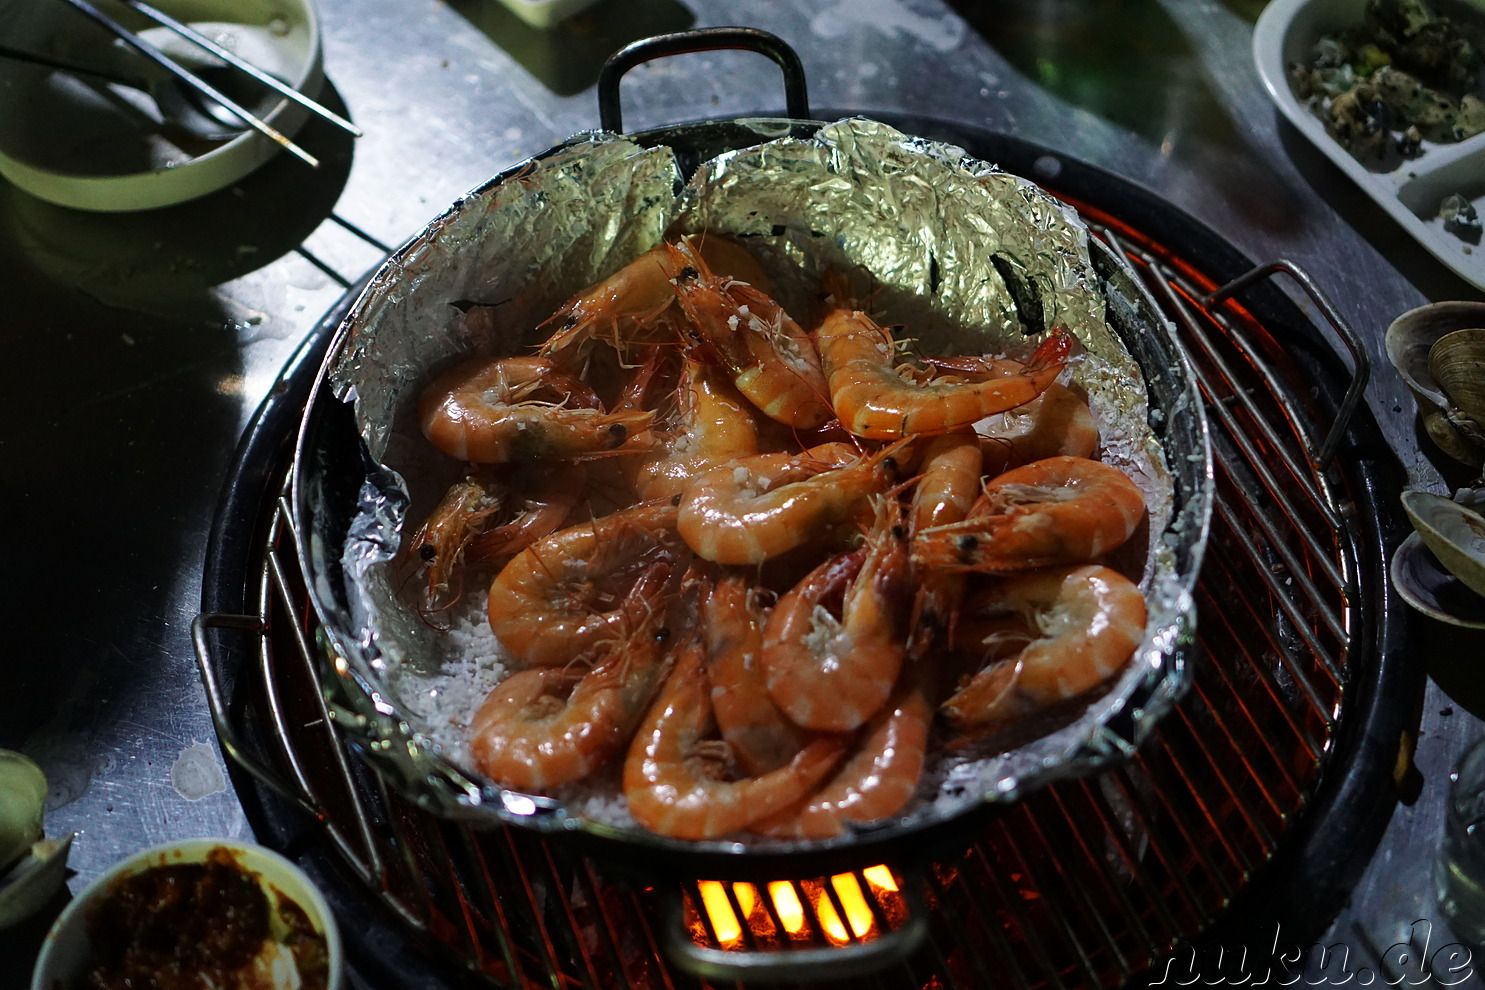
<point x="1285" y="34"/>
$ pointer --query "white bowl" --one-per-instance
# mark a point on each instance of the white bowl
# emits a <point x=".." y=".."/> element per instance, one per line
<point x="80" y="142"/>
<point x="66" y="955"/>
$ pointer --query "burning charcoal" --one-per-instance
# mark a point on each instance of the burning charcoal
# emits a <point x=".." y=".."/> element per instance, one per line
<point x="1460" y="218"/>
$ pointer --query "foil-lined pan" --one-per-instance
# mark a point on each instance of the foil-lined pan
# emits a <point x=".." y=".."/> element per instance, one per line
<point x="972" y="259"/>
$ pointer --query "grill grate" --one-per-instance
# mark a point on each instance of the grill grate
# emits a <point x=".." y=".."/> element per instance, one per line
<point x="1084" y="884"/>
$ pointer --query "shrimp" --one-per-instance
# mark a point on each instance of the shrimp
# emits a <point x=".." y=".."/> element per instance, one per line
<point x="1061" y="510"/>
<point x="759" y="507"/>
<point x="875" y="399"/>
<point x="625" y="308"/>
<point x="771" y="359"/>
<point x="675" y="774"/>
<point x="951" y="465"/>
<point x="544" y="504"/>
<point x="1080" y="626"/>
<point x="834" y="674"/>
<point x="489" y="412"/>
<point x="543" y="728"/>
<point x="559" y="599"/>
<point x="442" y="540"/>
<point x="460" y="531"/>
<point x="713" y="426"/>
<point x="1058" y="421"/>
<point x="875" y="782"/>
<point x="759" y="736"/>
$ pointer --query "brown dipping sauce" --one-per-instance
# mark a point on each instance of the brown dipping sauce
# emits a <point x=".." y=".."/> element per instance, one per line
<point x="192" y="925"/>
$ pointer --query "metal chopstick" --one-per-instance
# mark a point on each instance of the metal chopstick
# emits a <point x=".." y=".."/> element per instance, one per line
<point x="278" y="85"/>
<point x="191" y="79"/>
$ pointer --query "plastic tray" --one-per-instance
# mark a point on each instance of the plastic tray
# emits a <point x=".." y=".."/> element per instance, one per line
<point x="1285" y="34"/>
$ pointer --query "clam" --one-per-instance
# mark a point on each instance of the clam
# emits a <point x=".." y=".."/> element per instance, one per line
<point x="1457" y="362"/>
<point x="22" y="801"/>
<point x="1455" y="534"/>
<point x="31" y="868"/>
<point x="1445" y="380"/>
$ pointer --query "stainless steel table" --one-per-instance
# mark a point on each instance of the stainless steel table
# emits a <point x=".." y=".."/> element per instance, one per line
<point x="138" y="345"/>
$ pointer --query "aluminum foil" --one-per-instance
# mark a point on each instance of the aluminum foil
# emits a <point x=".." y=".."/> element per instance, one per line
<point x="973" y="260"/>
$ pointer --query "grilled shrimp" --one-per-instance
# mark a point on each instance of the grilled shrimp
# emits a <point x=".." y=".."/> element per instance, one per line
<point x="1057" y="422"/>
<point x="833" y="674"/>
<point x="876" y="781"/>
<point x="624" y="309"/>
<point x="519" y="409"/>
<point x="948" y="485"/>
<point x="546" y="727"/>
<point x="759" y="507"/>
<point x="675" y="773"/>
<point x="561" y="597"/>
<point x="712" y="426"/>
<point x="440" y="543"/>
<point x="464" y="529"/>
<point x="1073" y="627"/>
<point x="771" y="359"/>
<point x="1060" y="510"/>
<point x="873" y="398"/>
<point x="758" y="734"/>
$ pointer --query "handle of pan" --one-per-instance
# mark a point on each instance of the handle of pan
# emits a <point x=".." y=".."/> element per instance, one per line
<point x="796" y="96"/>
<point x="1360" y="363"/>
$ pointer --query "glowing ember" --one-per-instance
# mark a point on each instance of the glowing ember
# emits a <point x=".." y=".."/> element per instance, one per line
<point x="786" y="903"/>
<point x="857" y="911"/>
<point x="724" y="922"/>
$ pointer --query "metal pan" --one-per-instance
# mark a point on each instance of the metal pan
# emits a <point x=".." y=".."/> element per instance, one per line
<point x="338" y="485"/>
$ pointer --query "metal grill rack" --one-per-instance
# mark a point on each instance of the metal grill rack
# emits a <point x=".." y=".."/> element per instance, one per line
<point x="1084" y="884"/>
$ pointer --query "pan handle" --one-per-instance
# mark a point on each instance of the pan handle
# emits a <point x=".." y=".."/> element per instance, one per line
<point x="700" y="40"/>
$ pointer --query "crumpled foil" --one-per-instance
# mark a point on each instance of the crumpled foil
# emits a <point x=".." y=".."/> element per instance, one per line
<point x="972" y="259"/>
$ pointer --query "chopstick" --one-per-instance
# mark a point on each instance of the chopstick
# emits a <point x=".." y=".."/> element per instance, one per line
<point x="278" y="85"/>
<point x="200" y="85"/>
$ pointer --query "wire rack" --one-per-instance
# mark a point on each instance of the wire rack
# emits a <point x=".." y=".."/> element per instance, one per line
<point x="1086" y="883"/>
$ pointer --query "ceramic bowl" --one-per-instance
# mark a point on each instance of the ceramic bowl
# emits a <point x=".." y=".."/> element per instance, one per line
<point x="78" y="140"/>
<point x="67" y="954"/>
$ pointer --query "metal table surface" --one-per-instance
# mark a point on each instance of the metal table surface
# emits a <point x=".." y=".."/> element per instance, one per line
<point x="138" y="345"/>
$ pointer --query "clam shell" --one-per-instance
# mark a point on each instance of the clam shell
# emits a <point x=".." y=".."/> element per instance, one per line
<point x="1455" y="534"/>
<point x="22" y="803"/>
<point x="1444" y="431"/>
<point x="1409" y="340"/>
<point x="1412" y="335"/>
<point x="1457" y="363"/>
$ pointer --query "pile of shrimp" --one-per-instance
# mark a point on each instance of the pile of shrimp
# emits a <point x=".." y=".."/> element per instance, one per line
<point x="751" y="573"/>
